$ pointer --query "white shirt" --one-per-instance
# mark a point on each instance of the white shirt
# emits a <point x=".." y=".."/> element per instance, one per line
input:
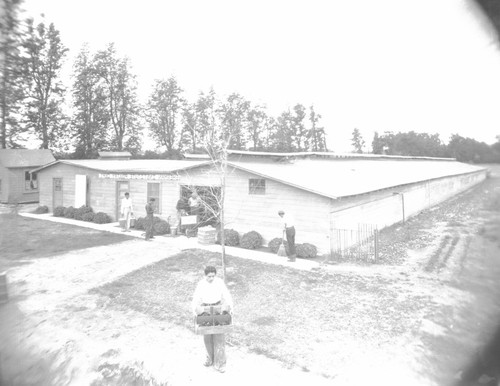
<point x="194" y="202"/>
<point x="287" y="221"/>
<point x="126" y="205"/>
<point x="211" y="293"/>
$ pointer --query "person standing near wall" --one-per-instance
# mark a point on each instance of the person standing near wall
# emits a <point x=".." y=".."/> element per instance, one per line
<point x="182" y="209"/>
<point x="288" y="225"/>
<point x="194" y="204"/>
<point x="211" y="291"/>
<point x="150" y="210"/>
<point x="127" y="211"/>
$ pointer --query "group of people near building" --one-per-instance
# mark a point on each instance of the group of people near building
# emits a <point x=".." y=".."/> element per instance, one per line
<point x="191" y="206"/>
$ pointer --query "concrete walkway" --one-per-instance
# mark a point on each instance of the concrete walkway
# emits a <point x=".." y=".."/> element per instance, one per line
<point x="183" y="242"/>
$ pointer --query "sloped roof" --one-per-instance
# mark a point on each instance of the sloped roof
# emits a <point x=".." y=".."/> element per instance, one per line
<point x="22" y="158"/>
<point x="348" y="177"/>
<point x="332" y="178"/>
<point x="130" y="166"/>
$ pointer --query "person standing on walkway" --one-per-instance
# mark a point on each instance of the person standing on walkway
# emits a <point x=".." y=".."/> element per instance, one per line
<point x="127" y="211"/>
<point x="182" y="209"/>
<point x="288" y="225"/>
<point x="194" y="204"/>
<point x="211" y="291"/>
<point x="150" y="210"/>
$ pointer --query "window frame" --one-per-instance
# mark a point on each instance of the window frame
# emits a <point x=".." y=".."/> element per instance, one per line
<point x="30" y="184"/>
<point x="257" y="186"/>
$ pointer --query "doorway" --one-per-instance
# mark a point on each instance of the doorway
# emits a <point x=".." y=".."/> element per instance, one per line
<point x="57" y="193"/>
<point x="121" y="188"/>
<point x="210" y="197"/>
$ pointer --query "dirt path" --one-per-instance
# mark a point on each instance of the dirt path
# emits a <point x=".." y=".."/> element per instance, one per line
<point x="56" y="333"/>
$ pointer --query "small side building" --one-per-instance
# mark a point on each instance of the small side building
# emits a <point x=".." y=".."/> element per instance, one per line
<point x="17" y="184"/>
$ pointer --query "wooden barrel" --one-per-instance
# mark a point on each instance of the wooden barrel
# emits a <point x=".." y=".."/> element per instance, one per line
<point x="4" y="296"/>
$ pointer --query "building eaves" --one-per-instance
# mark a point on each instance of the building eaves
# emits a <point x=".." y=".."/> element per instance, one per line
<point x="129" y="166"/>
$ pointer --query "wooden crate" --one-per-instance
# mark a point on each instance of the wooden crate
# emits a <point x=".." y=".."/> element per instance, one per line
<point x="214" y="317"/>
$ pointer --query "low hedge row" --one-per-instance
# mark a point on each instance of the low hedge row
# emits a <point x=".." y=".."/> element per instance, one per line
<point x="253" y="240"/>
<point x="83" y="213"/>
<point x="160" y="226"/>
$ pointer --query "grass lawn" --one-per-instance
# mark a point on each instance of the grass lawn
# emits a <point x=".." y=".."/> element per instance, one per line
<point x="24" y="238"/>
<point x="307" y="319"/>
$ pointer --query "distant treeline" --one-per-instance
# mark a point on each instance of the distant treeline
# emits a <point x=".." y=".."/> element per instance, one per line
<point x="430" y="145"/>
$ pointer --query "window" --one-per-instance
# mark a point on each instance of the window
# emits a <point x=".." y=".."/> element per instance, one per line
<point x="30" y="181"/>
<point x="154" y="192"/>
<point x="256" y="186"/>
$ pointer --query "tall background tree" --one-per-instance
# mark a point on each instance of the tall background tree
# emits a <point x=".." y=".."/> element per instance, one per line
<point x="90" y="114"/>
<point x="163" y="112"/>
<point x="358" y="143"/>
<point x="45" y="92"/>
<point x="298" y="128"/>
<point x="317" y="137"/>
<point x="12" y="79"/>
<point x="256" y="120"/>
<point x="121" y="94"/>
<point x="235" y="112"/>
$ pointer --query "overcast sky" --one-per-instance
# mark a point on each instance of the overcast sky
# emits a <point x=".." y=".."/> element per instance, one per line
<point x="428" y="65"/>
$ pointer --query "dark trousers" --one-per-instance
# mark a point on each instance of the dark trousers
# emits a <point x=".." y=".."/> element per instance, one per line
<point x="216" y="349"/>
<point x="149" y="226"/>
<point x="290" y="237"/>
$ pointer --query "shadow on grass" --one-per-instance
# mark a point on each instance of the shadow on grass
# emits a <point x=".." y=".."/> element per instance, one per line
<point x="23" y="238"/>
<point x="297" y="317"/>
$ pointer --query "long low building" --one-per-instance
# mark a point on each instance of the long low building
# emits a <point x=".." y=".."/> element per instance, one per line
<point x="324" y="192"/>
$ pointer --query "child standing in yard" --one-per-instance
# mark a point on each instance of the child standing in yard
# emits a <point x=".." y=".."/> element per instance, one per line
<point x="211" y="291"/>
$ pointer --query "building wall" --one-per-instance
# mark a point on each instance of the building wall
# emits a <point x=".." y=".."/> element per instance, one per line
<point x="388" y="210"/>
<point x="246" y="212"/>
<point x="5" y="177"/>
<point x="101" y="193"/>
<point x="13" y="189"/>
<point x="67" y="173"/>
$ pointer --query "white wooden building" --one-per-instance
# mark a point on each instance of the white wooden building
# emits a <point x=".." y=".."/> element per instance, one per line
<point x="322" y="191"/>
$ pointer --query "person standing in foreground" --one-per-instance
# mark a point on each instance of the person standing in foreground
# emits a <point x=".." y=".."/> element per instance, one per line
<point x="289" y="228"/>
<point x="150" y="209"/>
<point x="127" y="211"/>
<point x="211" y="291"/>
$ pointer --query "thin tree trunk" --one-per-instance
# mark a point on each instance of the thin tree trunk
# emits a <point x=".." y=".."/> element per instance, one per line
<point x="223" y="194"/>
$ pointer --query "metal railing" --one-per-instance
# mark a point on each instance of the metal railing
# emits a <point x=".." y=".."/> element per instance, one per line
<point x="355" y="244"/>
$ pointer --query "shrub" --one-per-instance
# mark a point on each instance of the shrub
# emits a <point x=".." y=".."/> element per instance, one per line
<point x="306" y="251"/>
<point x="231" y="237"/>
<point x="139" y="223"/>
<point x="161" y="227"/>
<point x="275" y="243"/>
<point x="251" y="240"/>
<point x="69" y="212"/>
<point x="42" y="209"/>
<point x="89" y="216"/>
<point x="59" y="211"/>
<point x="81" y="211"/>
<point x="101" y="218"/>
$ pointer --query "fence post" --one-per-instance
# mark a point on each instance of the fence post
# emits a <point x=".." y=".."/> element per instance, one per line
<point x="375" y="240"/>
